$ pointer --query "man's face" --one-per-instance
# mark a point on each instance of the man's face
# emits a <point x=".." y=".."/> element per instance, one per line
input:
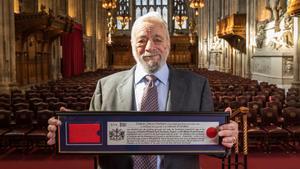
<point x="150" y="45"/>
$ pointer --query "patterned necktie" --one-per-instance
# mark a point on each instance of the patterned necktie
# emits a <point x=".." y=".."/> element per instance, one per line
<point x="149" y="103"/>
<point x="149" y="99"/>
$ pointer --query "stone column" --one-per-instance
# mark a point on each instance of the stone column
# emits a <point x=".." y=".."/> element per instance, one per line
<point x="250" y="37"/>
<point x="241" y="65"/>
<point x="71" y="9"/>
<point x="7" y="46"/>
<point x="200" y="40"/>
<point x="296" y="81"/>
<point x="75" y="10"/>
<point x="90" y="34"/>
<point x="101" y="30"/>
<point x="55" y="49"/>
<point x="56" y="56"/>
<point x="234" y="61"/>
<point x="79" y="5"/>
<point x="229" y="59"/>
<point x="87" y="52"/>
<point x="222" y="59"/>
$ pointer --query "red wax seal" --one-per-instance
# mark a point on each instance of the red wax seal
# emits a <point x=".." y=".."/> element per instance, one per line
<point x="211" y="132"/>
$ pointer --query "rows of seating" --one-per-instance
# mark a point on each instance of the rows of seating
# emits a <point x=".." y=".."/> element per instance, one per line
<point x="24" y="114"/>
<point x="273" y="116"/>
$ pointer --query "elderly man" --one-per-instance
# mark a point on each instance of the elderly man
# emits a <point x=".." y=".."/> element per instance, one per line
<point x="167" y="88"/>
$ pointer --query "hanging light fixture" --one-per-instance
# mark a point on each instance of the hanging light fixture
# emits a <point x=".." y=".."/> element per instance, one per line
<point x="180" y="15"/>
<point x="123" y="13"/>
<point x="109" y="5"/>
<point x="192" y="31"/>
<point x="196" y="4"/>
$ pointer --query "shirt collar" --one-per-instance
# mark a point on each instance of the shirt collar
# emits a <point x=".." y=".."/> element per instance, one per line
<point x="162" y="74"/>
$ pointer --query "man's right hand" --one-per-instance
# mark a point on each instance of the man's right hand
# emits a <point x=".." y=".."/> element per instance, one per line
<point x="52" y="127"/>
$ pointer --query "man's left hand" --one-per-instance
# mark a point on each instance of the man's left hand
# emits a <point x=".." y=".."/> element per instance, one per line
<point x="229" y="132"/>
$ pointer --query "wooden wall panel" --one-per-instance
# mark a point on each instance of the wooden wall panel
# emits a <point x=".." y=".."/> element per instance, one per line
<point x="32" y="64"/>
<point x="45" y="67"/>
<point x="182" y="52"/>
<point x="31" y="71"/>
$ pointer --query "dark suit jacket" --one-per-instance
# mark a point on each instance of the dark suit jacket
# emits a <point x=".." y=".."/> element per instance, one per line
<point x="187" y="92"/>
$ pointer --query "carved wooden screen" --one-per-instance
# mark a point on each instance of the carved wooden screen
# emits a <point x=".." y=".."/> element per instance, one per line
<point x="182" y="53"/>
<point x="35" y="34"/>
<point x="32" y="63"/>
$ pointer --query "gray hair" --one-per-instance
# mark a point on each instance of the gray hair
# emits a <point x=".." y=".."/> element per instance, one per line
<point x="151" y="16"/>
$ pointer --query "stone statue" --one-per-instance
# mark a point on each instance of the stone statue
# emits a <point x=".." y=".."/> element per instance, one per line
<point x="277" y="8"/>
<point x="287" y="36"/>
<point x="260" y="34"/>
<point x="283" y="38"/>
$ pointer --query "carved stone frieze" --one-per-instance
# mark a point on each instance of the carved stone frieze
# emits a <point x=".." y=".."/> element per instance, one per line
<point x="284" y="38"/>
<point x="277" y="8"/>
<point x="262" y="65"/>
<point x="260" y="34"/>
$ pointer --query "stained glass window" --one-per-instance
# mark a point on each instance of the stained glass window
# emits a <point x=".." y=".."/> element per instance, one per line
<point x="151" y="2"/>
<point x="158" y="2"/>
<point x="151" y="5"/>
<point x="141" y="7"/>
<point x="180" y="15"/>
<point x="123" y="14"/>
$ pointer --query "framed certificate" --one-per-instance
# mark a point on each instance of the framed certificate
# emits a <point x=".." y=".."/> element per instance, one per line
<point x="140" y="132"/>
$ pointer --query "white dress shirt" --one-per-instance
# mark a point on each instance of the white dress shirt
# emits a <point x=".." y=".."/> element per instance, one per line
<point x="162" y="85"/>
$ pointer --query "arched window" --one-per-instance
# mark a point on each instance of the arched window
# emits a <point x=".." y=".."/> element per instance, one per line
<point x="123" y="15"/>
<point x="180" y="14"/>
<point x="167" y="8"/>
<point x="144" y="6"/>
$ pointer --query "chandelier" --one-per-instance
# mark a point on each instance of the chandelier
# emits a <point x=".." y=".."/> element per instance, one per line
<point x="111" y="28"/>
<point x="196" y="4"/>
<point x="192" y="31"/>
<point x="109" y="4"/>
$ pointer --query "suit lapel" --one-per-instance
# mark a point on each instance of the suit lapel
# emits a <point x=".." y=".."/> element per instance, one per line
<point x="177" y="91"/>
<point x="125" y="92"/>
